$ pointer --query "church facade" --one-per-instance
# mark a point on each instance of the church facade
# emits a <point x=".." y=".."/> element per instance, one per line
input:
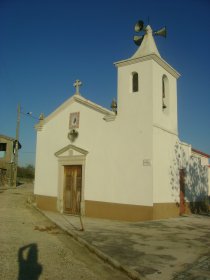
<point x="127" y="163"/>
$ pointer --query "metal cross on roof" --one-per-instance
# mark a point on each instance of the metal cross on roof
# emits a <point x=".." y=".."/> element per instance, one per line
<point x="77" y="85"/>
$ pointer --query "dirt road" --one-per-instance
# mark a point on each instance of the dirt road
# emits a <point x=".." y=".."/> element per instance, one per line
<point x="32" y="247"/>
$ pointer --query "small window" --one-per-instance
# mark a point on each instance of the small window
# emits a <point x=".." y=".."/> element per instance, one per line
<point x="3" y="148"/>
<point x="165" y="94"/>
<point x="135" y="82"/>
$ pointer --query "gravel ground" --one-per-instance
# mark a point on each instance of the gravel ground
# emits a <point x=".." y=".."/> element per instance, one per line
<point x="34" y="248"/>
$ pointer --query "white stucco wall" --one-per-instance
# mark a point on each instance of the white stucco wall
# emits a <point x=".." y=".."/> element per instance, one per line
<point x="53" y="137"/>
<point x="166" y="118"/>
<point x="113" y="169"/>
<point x="134" y="122"/>
<point x="163" y="165"/>
<point x="165" y="135"/>
<point x="199" y="181"/>
<point x="116" y="168"/>
<point x="114" y="172"/>
<point x="124" y="155"/>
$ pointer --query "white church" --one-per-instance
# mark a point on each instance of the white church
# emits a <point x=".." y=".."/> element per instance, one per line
<point x="126" y="163"/>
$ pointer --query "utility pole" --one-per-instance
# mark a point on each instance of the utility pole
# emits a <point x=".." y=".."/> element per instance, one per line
<point x="16" y="145"/>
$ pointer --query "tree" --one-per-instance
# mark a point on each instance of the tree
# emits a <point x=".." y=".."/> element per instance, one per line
<point x="26" y="172"/>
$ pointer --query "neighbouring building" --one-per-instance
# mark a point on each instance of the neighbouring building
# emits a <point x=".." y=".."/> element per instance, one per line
<point x="7" y="160"/>
<point x="209" y="186"/>
<point x="126" y="163"/>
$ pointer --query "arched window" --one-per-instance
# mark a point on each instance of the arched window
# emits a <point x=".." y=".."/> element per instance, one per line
<point x="165" y="94"/>
<point x="135" y="82"/>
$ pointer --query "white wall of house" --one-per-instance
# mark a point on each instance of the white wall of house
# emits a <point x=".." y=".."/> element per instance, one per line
<point x="134" y="132"/>
<point x="163" y="165"/>
<point x="113" y="169"/>
<point x="202" y="172"/>
<point x="53" y="137"/>
<point x="167" y="118"/>
<point x="165" y="131"/>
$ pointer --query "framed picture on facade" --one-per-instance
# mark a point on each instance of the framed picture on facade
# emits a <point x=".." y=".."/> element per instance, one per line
<point x="74" y="120"/>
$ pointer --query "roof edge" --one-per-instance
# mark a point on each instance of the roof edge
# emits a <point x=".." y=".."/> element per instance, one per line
<point x="7" y="137"/>
<point x="79" y="99"/>
<point x="92" y="105"/>
<point x="153" y="56"/>
<point x="200" y="152"/>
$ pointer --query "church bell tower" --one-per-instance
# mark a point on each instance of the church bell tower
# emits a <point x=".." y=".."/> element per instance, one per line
<point x="147" y="85"/>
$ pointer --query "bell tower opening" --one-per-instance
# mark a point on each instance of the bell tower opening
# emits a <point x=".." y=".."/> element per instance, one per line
<point x="135" y="82"/>
<point x="165" y="94"/>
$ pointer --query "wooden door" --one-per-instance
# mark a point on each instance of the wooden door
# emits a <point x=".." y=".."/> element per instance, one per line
<point x="72" y="189"/>
<point x="182" y="190"/>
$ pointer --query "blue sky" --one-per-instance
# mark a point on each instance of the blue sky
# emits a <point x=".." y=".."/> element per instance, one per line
<point x="46" y="45"/>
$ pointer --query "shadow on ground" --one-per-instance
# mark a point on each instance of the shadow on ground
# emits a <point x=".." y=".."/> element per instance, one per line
<point x="29" y="268"/>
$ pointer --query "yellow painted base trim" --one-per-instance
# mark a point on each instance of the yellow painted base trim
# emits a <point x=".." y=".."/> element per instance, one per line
<point x="46" y="202"/>
<point x="127" y="212"/>
<point x="165" y="210"/>
<point x="116" y="211"/>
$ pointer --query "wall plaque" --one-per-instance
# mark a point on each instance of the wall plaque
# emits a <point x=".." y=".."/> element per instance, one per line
<point x="74" y="120"/>
<point x="147" y="162"/>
